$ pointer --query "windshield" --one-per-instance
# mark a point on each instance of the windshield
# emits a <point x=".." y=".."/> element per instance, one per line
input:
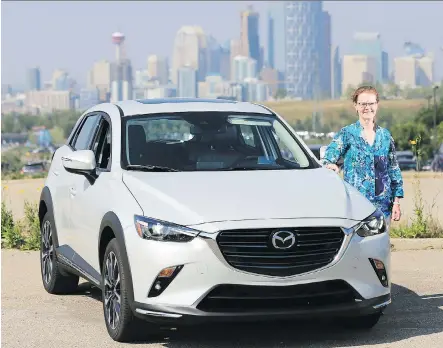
<point x="210" y="141"/>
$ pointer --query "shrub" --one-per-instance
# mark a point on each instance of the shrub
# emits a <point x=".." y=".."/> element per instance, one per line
<point x="22" y="234"/>
<point x="423" y="225"/>
<point x="11" y="234"/>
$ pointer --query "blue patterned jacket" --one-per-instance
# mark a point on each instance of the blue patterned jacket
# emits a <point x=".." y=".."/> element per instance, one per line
<point x="373" y="170"/>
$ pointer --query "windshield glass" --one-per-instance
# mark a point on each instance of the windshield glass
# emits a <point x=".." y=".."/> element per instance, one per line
<point x="205" y="141"/>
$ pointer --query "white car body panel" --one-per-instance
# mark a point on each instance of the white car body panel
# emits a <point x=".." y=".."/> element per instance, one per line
<point x="190" y="198"/>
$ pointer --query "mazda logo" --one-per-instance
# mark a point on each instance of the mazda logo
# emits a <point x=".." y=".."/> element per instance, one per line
<point x="283" y="240"/>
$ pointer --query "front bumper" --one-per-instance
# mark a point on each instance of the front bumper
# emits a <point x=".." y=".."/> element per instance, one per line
<point x="186" y="315"/>
<point x="204" y="269"/>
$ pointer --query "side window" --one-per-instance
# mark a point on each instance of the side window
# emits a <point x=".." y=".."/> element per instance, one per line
<point x="102" y="146"/>
<point x="83" y="138"/>
<point x="285" y="152"/>
<point x="248" y="135"/>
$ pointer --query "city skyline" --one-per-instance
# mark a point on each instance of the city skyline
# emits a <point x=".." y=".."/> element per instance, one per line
<point x="97" y="45"/>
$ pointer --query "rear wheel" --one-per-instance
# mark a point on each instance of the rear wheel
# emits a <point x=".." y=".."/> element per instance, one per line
<point x="54" y="281"/>
<point x="121" y="323"/>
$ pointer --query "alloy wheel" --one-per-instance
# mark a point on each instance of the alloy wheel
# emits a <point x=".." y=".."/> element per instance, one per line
<point x="112" y="290"/>
<point x="47" y="252"/>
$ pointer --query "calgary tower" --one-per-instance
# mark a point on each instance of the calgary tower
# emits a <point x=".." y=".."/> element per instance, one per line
<point x="118" y="39"/>
<point x="121" y="71"/>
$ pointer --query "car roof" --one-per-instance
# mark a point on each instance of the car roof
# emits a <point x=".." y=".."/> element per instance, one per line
<point x="166" y="105"/>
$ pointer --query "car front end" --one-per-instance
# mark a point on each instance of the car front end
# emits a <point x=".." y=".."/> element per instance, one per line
<point x="259" y="269"/>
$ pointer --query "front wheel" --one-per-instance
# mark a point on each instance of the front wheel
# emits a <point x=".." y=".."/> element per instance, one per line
<point x="121" y="323"/>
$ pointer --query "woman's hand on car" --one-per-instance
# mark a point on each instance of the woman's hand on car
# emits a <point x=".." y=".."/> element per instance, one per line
<point x="333" y="167"/>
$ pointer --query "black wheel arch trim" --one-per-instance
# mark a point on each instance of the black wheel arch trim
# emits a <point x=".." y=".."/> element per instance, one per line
<point x="46" y="198"/>
<point x="111" y="220"/>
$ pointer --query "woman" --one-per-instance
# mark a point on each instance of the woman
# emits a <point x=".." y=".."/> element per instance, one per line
<point x="370" y="162"/>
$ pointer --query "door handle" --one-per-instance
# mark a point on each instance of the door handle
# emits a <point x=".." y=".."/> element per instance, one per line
<point x="56" y="173"/>
<point x="72" y="191"/>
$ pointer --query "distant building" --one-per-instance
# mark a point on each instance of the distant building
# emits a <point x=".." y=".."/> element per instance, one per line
<point x="277" y="36"/>
<point x="358" y="69"/>
<point x="325" y="57"/>
<point x="88" y="98"/>
<point x="256" y="90"/>
<point x="214" y="86"/>
<point x="189" y="50"/>
<point x="158" y="69"/>
<point x="33" y="79"/>
<point x="243" y="67"/>
<point x="48" y="101"/>
<point x="413" y="71"/>
<point x="121" y="81"/>
<point x="305" y="48"/>
<point x="249" y="35"/>
<point x="369" y="44"/>
<point x="385" y="67"/>
<point x="187" y="86"/>
<point x="100" y="77"/>
<point x="272" y="79"/>
<point x="336" y="74"/>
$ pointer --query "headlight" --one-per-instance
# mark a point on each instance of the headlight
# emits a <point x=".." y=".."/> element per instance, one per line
<point x="162" y="231"/>
<point x="373" y="225"/>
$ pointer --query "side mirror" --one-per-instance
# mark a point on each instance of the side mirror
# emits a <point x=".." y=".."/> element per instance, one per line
<point x="322" y="152"/>
<point x="81" y="162"/>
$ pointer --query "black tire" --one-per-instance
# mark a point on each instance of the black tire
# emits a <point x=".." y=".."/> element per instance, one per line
<point x="54" y="281"/>
<point x="365" y="322"/>
<point x="127" y="327"/>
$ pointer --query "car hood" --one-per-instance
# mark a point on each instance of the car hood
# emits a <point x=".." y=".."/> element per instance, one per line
<point x="191" y="198"/>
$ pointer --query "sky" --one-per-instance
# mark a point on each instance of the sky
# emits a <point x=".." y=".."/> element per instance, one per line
<point x="73" y="35"/>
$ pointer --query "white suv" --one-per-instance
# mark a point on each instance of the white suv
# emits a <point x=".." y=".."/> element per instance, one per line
<point x="191" y="210"/>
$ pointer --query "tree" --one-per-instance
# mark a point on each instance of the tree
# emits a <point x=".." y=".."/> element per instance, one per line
<point x="392" y="90"/>
<point x="281" y="93"/>
<point x="404" y="133"/>
<point x="440" y="133"/>
<point x="426" y="115"/>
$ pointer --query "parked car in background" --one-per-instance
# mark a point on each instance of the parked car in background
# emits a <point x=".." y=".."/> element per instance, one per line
<point x="34" y="168"/>
<point x="406" y="160"/>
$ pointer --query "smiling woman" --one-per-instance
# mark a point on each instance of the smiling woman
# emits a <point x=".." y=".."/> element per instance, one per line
<point x="211" y="141"/>
<point x="370" y="161"/>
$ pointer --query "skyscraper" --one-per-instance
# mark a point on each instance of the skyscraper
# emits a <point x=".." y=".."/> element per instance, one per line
<point x="189" y="50"/>
<point x="369" y="44"/>
<point x="325" y="57"/>
<point x="187" y="86"/>
<point x="158" y="69"/>
<point x="214" y="56"/>
<point x="277" y="36"/>
<point x="249" y="36"/>
<point x="384" y="66"/>
<point x="304" y="48"/>
<point x="121" y="77"/>
<point x="243" y="68"/>
<point x="33" y="79"/>
<point x="336" y="74"/>
<point x="100" y="77"/>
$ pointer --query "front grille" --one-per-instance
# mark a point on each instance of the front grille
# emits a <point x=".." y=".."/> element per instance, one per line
<point x="250" y="298"/>
<point x="251" y="250"/>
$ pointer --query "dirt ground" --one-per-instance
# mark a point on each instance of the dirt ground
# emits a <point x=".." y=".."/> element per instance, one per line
<point x="15" y="192"/>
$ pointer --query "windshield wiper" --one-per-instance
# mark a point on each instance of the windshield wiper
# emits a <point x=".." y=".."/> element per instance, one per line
<point x="146" y="168"/>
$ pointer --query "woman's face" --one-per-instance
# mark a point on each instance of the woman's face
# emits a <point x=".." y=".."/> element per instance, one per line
<point x="366" y="106"/>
